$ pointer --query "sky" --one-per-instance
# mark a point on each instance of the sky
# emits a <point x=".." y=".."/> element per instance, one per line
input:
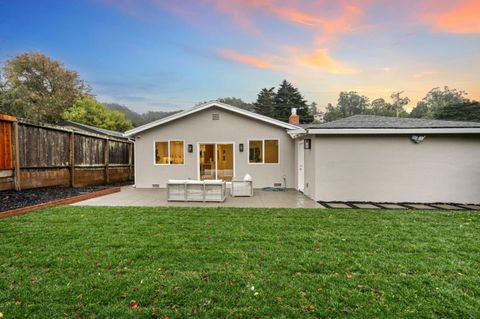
<point x="172" y="54"/>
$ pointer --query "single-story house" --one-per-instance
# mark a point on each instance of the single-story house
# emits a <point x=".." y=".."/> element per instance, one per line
<point x="360" y="158"/>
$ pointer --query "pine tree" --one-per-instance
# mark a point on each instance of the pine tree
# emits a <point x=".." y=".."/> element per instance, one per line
<point x="265" y="102"/>
<point x="289" y="97"/>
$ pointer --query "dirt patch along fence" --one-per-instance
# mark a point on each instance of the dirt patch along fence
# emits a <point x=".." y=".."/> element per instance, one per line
<point x="36" y="155"/>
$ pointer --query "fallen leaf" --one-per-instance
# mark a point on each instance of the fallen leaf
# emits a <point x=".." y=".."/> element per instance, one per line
<point x="98" y="263"/>
<point x="311" y="307"/>
<point x="362" y="286"/>
<point x="134" y="305"/>
<point x="349" y="276"/>
<point x="108" y="268"/>
<point x="206" y="302"/>
<point x="135" y="288"/>
<point x="33" y="280"/>
<point x="124" y="294"/>
<point x="231" y="282"/>
<point x="164" y="317"/>
<point x="18" y="302"/>
<point x="378" y="291"/>
<point x="209" y="238"/>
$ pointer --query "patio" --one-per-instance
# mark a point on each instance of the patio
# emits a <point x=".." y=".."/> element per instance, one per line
<point x="153" y="197"/>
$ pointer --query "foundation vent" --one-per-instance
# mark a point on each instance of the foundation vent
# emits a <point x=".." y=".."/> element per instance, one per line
<point x="156" y="185"/>
<point x="277" y="184"/>
<point x="215" y="116"/>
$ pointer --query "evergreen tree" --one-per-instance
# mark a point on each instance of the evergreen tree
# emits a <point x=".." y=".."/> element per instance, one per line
<point x="265" y="102"/>
<point x="289" y="97"/>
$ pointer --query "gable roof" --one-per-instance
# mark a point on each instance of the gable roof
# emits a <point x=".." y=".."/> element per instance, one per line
<point x="206" y="106"/>
<point x="92" y="129"/>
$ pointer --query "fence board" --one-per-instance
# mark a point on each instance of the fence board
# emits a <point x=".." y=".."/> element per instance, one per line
<point x="118" y="152"/>
<point x="89" y="150"/>
<point x="6" y="161"/>
<point x="42" y="147"/>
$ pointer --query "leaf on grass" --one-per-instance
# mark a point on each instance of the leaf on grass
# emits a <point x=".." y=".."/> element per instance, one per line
<point x="98" y="263"/>
<point x="311" y="307"/>
<point x="362" y="286"/>
<point x="378" y="291"/>
<point x="18" y="302"/>
<point x="206" y="302"/>
<point x="209" y="238"/>
<point x="349" y="276"/>
<point x="135" y="288"/>
<point x="34" y="280"/>
<point x="134" y="305"/>
<point x="124" y="294"/>
<point x="108" y="268"/>
<point x="231" y="282"/>
<point x="205" y="278"/>
<point x="165" y="317"/>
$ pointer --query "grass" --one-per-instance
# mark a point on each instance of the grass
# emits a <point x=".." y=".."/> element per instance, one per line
<point x="79" y="262"/>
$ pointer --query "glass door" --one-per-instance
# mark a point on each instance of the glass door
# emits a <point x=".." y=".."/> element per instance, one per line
<point x="216" y="161"/>
<point x="225" y="162"/>
<point x="207" y="161"/>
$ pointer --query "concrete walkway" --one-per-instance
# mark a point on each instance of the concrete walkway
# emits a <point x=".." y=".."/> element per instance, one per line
<point x="153" y="197"/>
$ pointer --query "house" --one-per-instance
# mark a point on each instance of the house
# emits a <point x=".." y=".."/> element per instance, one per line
<point x="361" y="158"/>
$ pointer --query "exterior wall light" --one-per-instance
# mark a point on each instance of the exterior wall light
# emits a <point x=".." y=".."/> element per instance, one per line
<point x="190" y="148"/>
<point x="240" y="147"/>
<point x="307" y="143"/>
<point x="417" y="139"/>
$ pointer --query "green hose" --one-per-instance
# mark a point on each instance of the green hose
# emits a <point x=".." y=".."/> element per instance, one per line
<point x="274" y="189"/>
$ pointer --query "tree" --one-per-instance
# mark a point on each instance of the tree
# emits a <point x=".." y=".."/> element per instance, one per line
<point x="265" y="103"/>
<point x="394" y="109"/>
<point x="313" y="108"/>
<point x="87" y="110"/>
<point x="289" y="97"/>
<point x="39" y="88"/>
<point x="351" y="103"/>
<point x="332" y="113"/>
<point x="236" y="102"/>
<point x="469" y="111"/>
<point x="436" y="99"/>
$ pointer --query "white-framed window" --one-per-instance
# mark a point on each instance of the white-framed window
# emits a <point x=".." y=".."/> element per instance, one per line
<point x="171" y="152"/>
<point x="263" y="151"/>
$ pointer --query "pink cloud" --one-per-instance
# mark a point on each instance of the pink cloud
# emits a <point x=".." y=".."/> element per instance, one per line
<point x="245" y="59"/>
<point x="461" y="16"/>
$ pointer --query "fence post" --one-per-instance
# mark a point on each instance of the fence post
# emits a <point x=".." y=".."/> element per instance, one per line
<point x="16" y="157"/>
<point x="130" y="161"/>
<point x="72" y="159"/>
<point x="107" y="160"/>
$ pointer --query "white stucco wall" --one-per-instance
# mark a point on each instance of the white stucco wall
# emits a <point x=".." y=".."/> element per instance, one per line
<point x="200" y="128"/>
<point x="391" y="168"/>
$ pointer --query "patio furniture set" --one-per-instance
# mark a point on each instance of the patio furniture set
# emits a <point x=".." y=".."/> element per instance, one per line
<point x="207" y="190"/>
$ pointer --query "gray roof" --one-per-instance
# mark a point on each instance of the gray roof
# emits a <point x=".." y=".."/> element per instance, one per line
<point x="384" y="122"/>
<point x="92" y="129"/>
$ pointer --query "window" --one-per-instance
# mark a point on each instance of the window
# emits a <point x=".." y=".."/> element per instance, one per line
<point x="263" y="152"/>
<point x="255" y="151"/>
<point x="169" y="153"/>
<point x="271" y="151"/>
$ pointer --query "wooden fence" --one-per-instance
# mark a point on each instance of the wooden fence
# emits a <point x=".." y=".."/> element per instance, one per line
<point x="39" y="155"/>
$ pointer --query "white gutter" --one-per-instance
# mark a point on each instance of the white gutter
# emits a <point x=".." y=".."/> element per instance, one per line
<point x="355" y="131"/>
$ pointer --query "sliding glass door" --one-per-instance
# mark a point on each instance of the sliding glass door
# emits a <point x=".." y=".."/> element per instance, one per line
<point x="216" y="161"/>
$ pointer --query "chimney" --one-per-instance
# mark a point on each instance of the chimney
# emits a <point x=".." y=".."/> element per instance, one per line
<point x="294" y="118"/>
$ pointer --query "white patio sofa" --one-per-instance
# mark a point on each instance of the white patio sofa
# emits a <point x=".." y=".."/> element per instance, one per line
<point x="196" y="191"/>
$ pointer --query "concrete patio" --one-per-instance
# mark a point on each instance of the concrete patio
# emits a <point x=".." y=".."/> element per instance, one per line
<point x="130" y="196"/>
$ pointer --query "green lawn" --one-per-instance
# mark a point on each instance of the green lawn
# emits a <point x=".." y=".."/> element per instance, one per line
<point x="79" y="262"/>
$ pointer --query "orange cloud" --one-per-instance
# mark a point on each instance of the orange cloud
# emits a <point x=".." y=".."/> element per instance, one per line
<point x="460" y="18"/>
<point x="245" y="59"/>
<point x="321" y="59"/>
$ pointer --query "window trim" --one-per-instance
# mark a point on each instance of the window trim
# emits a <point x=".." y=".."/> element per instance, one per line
<point x="168" y="150"/>
<point x="263" y="150"/>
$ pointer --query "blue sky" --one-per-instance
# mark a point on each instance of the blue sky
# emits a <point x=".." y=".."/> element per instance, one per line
<point x="162" y="55"/>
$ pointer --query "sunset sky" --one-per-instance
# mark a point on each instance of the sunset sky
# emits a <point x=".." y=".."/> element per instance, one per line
<point x="162" y="55"/>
